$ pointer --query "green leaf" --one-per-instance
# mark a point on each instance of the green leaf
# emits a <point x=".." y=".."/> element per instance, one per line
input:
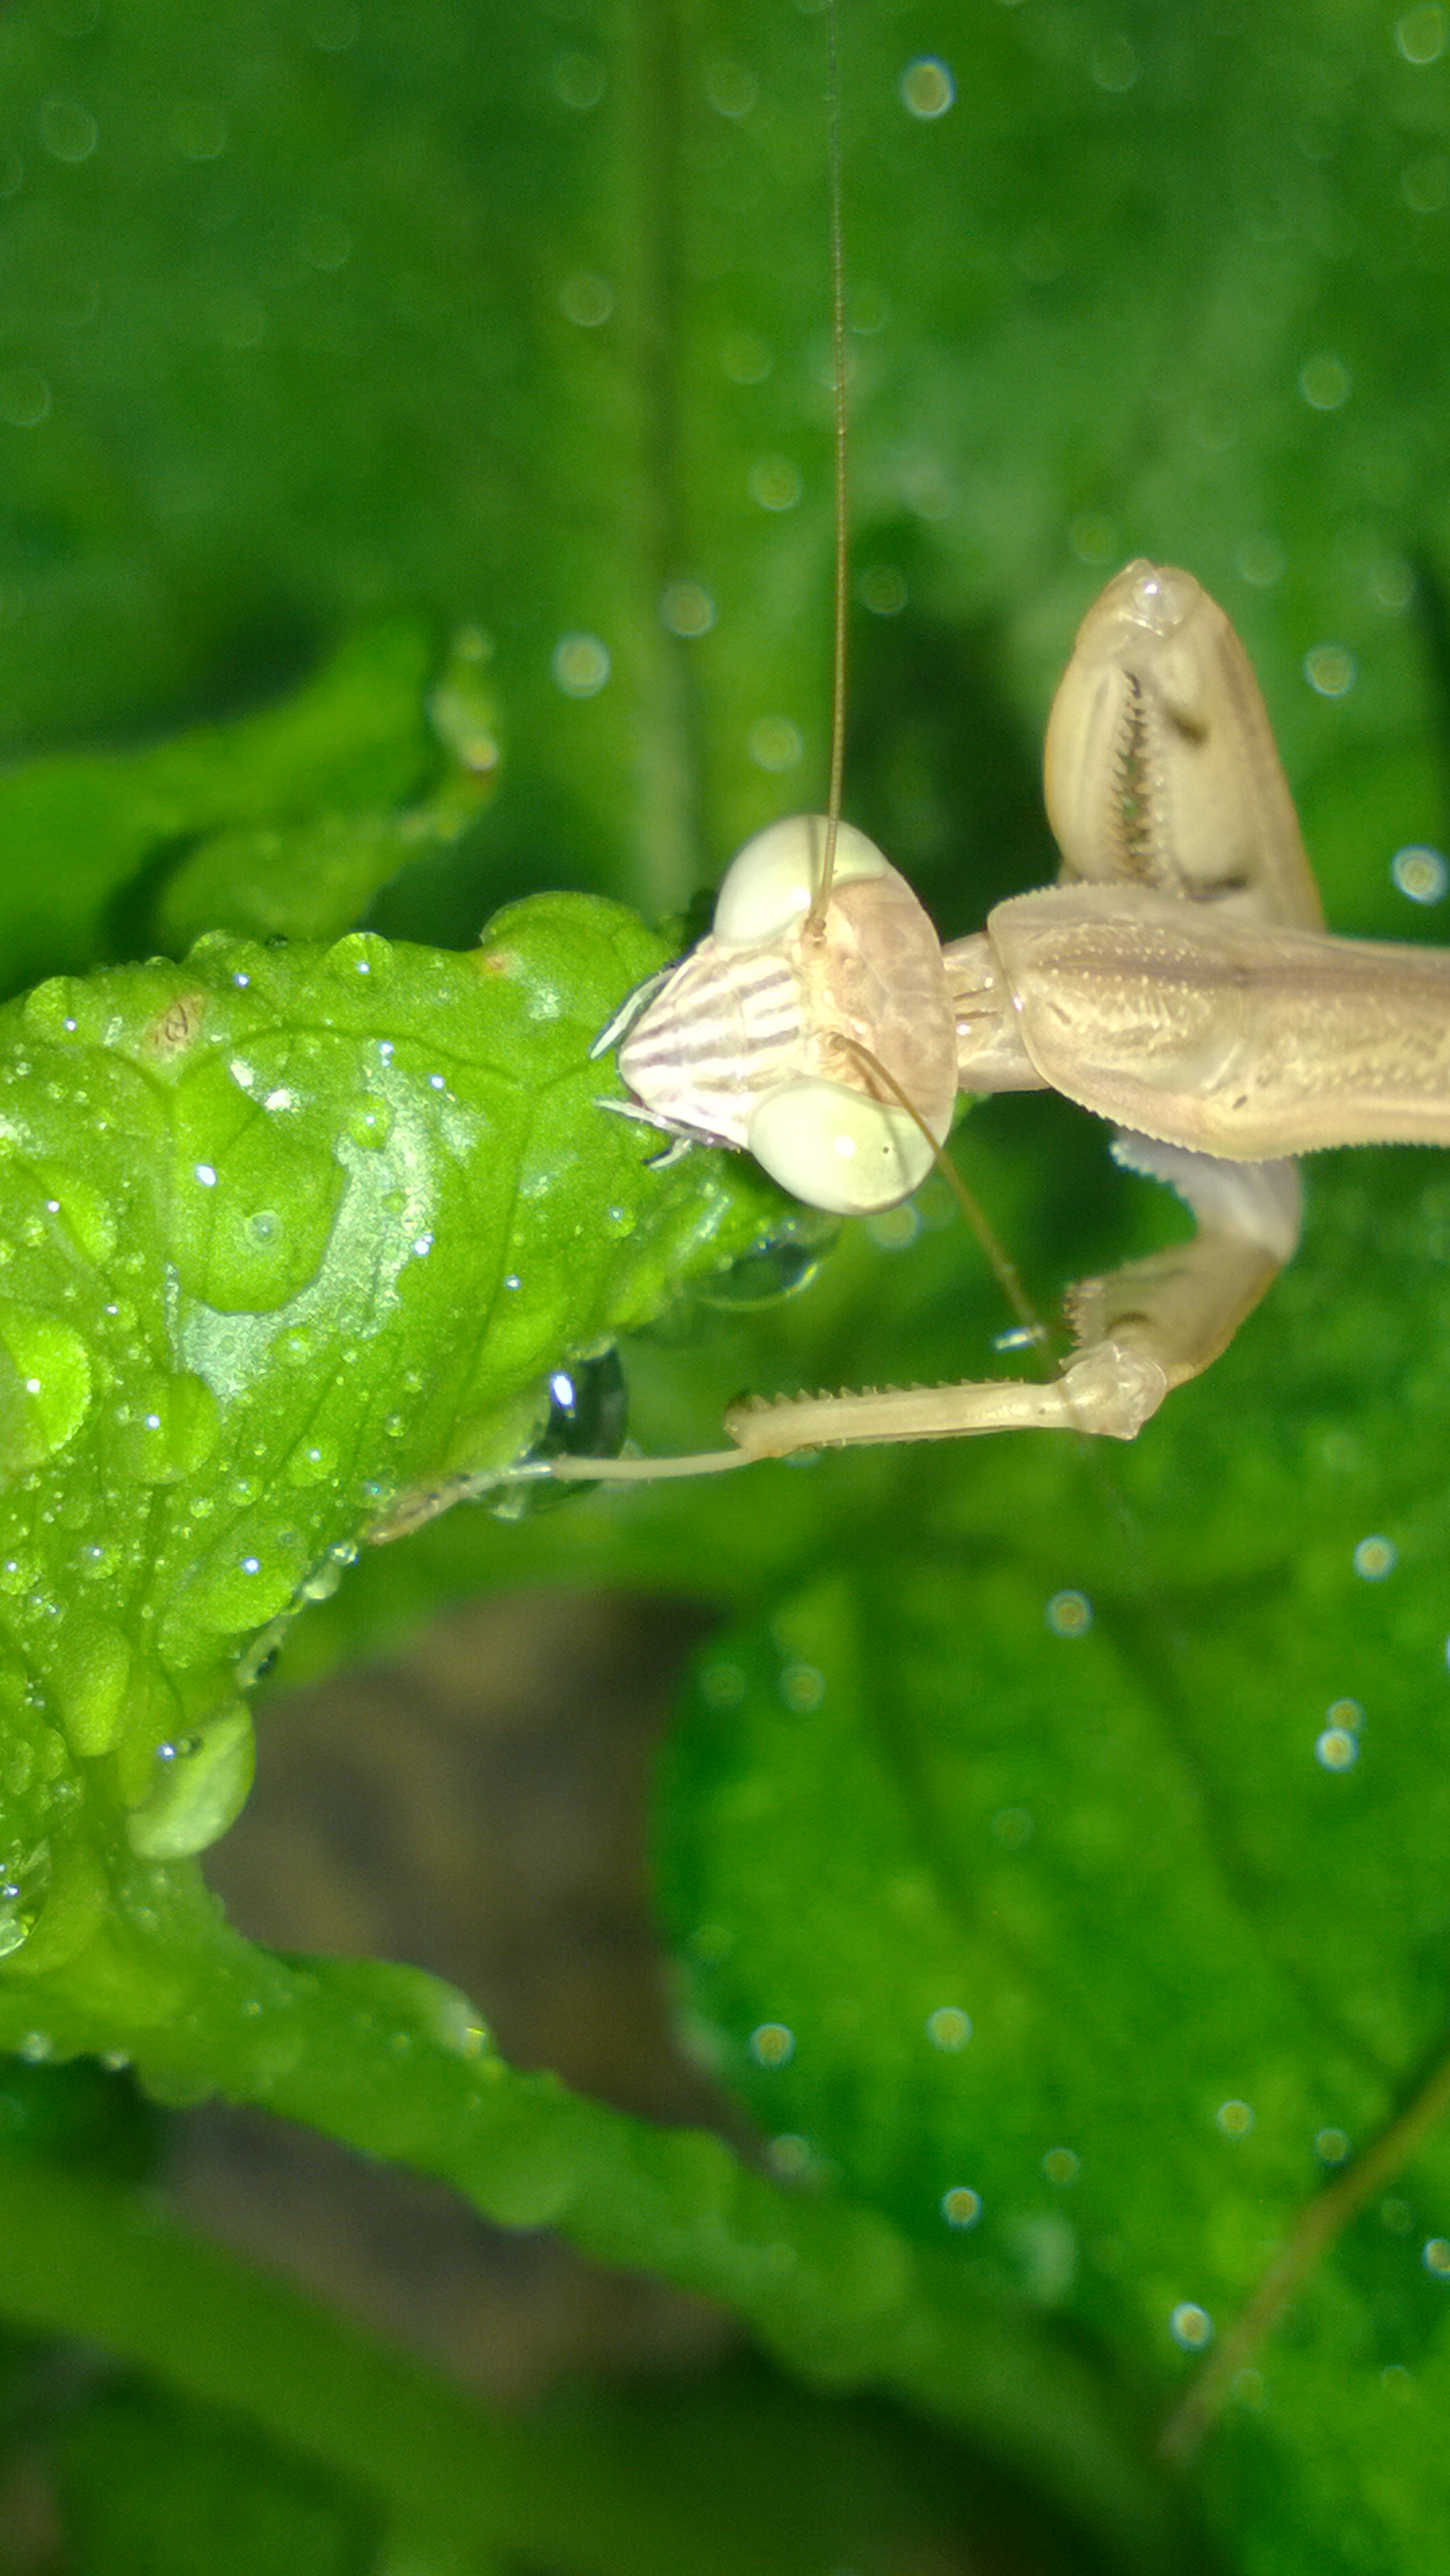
<point x="1113" y="1803"/>
<point x="287" y="821"/>
<point x="396" y="2064"/>
<point x="146" y="2485"/>
<point x="252" y="2402"/>
<point x="287" y="1234"/>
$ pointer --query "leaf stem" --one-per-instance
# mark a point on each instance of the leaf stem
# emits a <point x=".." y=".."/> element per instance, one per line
<point x="1315" y="2230"/>
<point x="391" y="2062"/>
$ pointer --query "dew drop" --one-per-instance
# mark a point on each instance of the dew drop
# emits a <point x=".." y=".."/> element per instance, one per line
<point x="22" y="1895"/>
<point x="1061" y="2166"/>
<point x="926" y="87"/>
<point x="789" y="2158"/>
<point x="1330" y="670"/>
<point x="93" y="1689"/>
<point x="68" y="130"/>
<point x="87" y="1216"/>
<point x="687" y="608"/>
<point x="1069" y="1614"/>
<point x="1390" y="583"/>
<point x="774" y="744"/>
<point x="948" y="2028"/>
<point x="586" y="299"/>
<point x="173" y="1428"/>
<point x="802" y="1687"/>
<point x="1331" y="2146"/>
<point x="1234" y="2119"/>
<point x="961" y="2206"/>
<point x="1420" y="34"/>
<point x="45" y="1386"/>
<point x="882" y="588"/>
<point x="1375" y="1558"/>
<point x="1436" y="2257"/>
<point x="1421" y="873"/>
<point x="1335" y="1749"/>
<point x="1324" y="381"/>
<point x="200" y="1788"/>
<point x="731" y="89"/>
<point x="895" y="1229"/>
<point x="772" y="2044"/>
<point x="360" y="956"/>
<point x="1191" y="2326"/>
<point x="775" y="483"/>
<point x="370" y="1122"/>
<point x="745" y="359"/>
<point x="238" y="1587"/>
<point x="1261" y="561"/>
<point x="1012" y="1827"/>
<point x="580" y="665"/>
<point x="577" y="81"/>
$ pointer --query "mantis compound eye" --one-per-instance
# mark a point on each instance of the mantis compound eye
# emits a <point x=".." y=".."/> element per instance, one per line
<point x="769" y="885"/>
<point x="837" y="1149"/>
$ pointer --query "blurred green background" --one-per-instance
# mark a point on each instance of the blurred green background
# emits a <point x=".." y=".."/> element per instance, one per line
<point x="514" y="319"/>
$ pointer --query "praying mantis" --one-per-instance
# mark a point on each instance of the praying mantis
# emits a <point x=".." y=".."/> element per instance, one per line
<point x="1177" y="980"/>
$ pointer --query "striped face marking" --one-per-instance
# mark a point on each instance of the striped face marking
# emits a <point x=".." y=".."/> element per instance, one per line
<point x="760" y="1037"/>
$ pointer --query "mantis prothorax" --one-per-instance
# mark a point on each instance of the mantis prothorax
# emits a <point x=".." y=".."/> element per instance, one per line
<point x="1177" y="980"/>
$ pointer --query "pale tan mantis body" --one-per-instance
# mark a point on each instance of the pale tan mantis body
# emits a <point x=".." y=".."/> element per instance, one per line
<point x="1177" y="980"/>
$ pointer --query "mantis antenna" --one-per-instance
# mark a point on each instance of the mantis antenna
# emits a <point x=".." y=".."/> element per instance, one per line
<point x="998" y="1259"/>
<point x="816" y="917"/>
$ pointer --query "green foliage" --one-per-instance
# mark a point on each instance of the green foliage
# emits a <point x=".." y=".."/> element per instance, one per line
<point x="252" y="1201"/>
<point x="1052" y="1848"/>
<point x="287" y="821"/>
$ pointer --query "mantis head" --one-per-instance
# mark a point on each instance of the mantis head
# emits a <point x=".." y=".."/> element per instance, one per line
<point x="825" y="1047"/>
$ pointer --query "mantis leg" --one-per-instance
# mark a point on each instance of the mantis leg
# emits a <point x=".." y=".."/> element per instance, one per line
<point x="1141" y="1331"/>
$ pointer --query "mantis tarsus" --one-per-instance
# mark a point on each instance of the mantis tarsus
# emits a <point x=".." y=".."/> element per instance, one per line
<point x="1177" y="980"/>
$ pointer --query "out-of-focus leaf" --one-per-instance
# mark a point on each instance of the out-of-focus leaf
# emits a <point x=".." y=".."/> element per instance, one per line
<point x="147" y="2484"/>
<point x="316" y="877"/>
<point x="606" y="2483"/>
<point x="1115" y="1800"/>
<point x="287" y="821"/>
<point x="397" y="2064"/>
<point x="300" y="330"/>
